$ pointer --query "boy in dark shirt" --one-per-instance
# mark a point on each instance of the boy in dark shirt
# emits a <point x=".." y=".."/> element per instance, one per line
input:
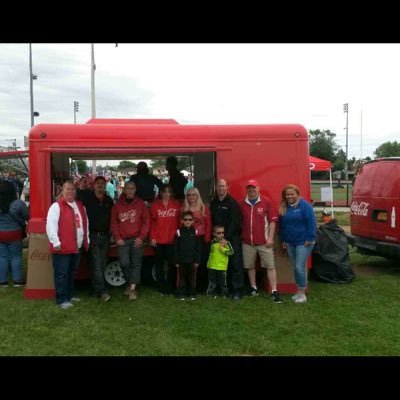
<point x="187" y="256"/>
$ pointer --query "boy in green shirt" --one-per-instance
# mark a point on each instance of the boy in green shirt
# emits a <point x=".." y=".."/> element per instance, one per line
<point x="217" y="265"/>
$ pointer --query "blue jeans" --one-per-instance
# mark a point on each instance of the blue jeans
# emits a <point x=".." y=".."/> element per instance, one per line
<point x="65" y="266"/>
<point x="11" y="253"/>
<point x="298" y="258"/>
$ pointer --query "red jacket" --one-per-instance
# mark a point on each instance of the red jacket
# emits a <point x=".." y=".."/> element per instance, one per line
<point x="130" y="220"/>
<point x="256" y="219"/>
<point x="164" y="221"/>
<point x="67" y="228"/>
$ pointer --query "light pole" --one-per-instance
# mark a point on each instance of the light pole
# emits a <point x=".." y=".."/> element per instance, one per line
<point x="76" y="109"/>
<point x="346" y="165"/>
<point x="92" y="71"/>
<point x="31" y="79"/>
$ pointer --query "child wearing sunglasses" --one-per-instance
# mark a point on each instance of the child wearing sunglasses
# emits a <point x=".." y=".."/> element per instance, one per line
<point x="218" y="263"/>
<point x="187" y="256"/>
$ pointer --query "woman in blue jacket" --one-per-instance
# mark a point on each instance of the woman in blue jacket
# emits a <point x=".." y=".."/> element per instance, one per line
<point x="297" y="231"/>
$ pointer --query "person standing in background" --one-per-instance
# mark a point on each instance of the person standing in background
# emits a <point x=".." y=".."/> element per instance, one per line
<point x="13" y="216"/>
<point x="176" y="179"/>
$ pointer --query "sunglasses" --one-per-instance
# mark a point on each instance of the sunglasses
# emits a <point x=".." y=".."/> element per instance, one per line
<point x="188" y="219"/>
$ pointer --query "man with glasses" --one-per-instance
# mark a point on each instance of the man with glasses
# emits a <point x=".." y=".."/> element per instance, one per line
<point x="258" y="228"/>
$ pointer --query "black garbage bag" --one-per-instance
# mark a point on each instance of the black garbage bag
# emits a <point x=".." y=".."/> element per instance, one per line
<point x="331" y="261"/>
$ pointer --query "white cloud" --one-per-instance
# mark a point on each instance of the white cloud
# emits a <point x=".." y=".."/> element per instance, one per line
<point x="210" y="83"/>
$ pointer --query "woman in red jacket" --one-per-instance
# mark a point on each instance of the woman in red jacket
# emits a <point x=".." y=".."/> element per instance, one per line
<point x="164" y="221"/>
<point x="202" y="224"/>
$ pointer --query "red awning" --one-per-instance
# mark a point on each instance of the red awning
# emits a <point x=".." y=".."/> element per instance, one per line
<point x="317" y="164"/>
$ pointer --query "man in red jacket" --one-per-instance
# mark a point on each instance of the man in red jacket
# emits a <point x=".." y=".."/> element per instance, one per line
<point x="258" y="228"/>
<point x="130" y="223"/>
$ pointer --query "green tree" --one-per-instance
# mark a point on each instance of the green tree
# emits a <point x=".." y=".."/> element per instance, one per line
<point x="157" y="164"/>
<point x="388" y="149"/>
<point x="339" y="161"/>
<point x="126" y="165"/>
<point x="82" y="166"/>
<point x="323" y="145"/>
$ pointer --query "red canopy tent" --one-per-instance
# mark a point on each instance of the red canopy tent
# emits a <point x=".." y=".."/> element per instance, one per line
<point x="317" y="164"/>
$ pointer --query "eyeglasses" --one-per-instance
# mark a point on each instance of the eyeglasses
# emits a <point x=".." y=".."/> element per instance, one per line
<point x="188" y="219"/>
<point x="219" y="233"/>
<point x="191" y="194"/>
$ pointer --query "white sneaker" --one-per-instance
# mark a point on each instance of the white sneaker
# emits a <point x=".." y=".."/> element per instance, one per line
<point x="65" y="305"/>
<point x="301" y="299"/>
<point x="75" y="300"/>
<point x="294" y="297"/>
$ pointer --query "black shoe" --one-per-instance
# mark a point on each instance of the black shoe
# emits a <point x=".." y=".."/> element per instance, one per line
<point x="253" y="291"/>
<point x="275" y="297"/>
<point x="18" y="283"/>
<point x="4" y="284"/>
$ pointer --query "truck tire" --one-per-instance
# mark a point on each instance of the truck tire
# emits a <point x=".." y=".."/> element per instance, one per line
<point x="113" y="274"/>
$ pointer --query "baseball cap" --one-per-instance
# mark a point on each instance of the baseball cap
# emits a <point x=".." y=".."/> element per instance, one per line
<point x="252" y="182"/>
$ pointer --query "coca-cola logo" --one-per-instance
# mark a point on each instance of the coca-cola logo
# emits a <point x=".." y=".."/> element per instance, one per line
<point x="359" y="208"/>
<point x="167" y="213"/>
<point x="38" y="255"/>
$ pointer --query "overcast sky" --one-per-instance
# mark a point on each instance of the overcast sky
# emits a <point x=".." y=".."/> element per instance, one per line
<point x="209" y="84"/>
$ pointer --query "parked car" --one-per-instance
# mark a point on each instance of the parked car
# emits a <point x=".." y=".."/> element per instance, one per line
<point x="375" y="208"/>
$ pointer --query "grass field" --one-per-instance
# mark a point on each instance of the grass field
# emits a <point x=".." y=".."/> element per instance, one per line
<point x="359" y="318"/>
<point x="339" y="194"/>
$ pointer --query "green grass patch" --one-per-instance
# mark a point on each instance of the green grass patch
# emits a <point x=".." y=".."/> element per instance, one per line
<point x="360" y="318"/>
<point x="339" y="194"/>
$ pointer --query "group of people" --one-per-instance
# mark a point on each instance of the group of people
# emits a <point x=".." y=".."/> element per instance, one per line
<point x="207" y="249"/>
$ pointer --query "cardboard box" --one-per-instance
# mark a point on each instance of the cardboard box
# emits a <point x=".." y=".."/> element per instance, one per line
<point x="40" y="266"/>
